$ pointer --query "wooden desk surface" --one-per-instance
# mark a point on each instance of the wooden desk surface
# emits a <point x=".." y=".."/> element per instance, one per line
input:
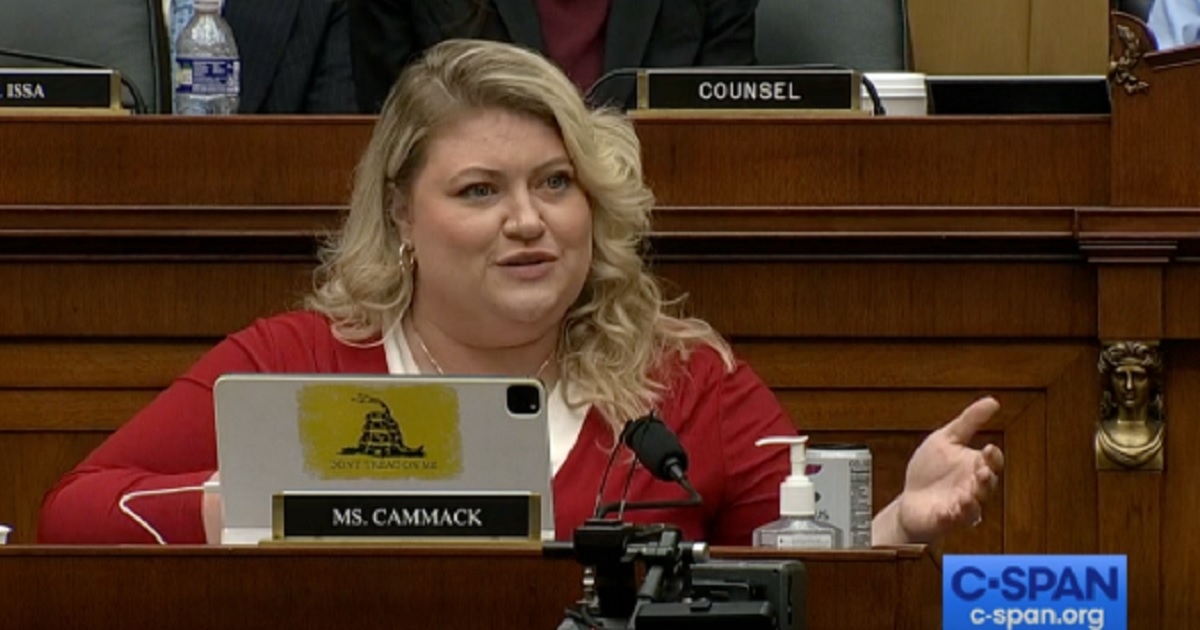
<point x="225" y="588"/>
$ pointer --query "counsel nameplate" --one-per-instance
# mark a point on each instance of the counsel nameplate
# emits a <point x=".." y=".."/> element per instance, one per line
<point x="58" y="89"/>
<point x="708" y="89"/>
<point x="407" y="516"/>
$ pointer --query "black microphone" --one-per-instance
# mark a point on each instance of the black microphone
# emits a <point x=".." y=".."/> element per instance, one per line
<point x="139" y="103"/>
<point x="596" y="94"/>
<point x="657" y="448"/>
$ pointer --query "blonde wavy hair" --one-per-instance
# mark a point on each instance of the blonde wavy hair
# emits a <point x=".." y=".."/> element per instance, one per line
<point x="620" y="346"/>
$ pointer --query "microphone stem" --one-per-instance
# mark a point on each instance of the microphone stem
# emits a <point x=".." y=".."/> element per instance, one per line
<point x="625" y="489"/>
<point x="687" y="485"/>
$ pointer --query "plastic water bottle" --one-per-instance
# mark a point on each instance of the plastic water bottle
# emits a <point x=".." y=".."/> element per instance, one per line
<point x="207" y="67"/>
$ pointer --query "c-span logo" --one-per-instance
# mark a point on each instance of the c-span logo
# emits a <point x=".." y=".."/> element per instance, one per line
<point x="1034" y="592"/>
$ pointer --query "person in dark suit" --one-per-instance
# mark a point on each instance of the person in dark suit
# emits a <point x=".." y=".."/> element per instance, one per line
<point x="587" y="38"/>
<point x="295" y="56"/>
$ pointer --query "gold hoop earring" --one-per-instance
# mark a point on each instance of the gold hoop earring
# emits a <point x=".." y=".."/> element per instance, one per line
<point x="407" y="256"/>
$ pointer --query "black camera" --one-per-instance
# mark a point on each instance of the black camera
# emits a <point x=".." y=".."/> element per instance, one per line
<point x="524" y="400"/>
<point x="682" y="589"/>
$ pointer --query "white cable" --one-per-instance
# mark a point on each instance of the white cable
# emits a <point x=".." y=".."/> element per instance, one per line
<point x="146" y="493"/>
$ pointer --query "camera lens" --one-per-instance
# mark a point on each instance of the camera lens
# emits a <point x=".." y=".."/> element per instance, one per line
<point x="523" y="400"/>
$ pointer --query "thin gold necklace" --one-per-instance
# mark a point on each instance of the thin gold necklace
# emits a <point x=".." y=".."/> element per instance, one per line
<point x="437" y="366"/>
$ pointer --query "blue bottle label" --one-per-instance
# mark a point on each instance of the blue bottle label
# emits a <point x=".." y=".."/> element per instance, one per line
<point x="181" y="14"/>
<point x="208" y="76"/>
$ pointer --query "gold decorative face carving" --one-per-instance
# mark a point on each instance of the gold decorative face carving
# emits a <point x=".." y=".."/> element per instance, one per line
<point x="1130" y="430"/>
<point x="1130" y="385"/>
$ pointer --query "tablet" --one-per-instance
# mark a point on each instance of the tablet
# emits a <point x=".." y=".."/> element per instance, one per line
<point x="320" y="432"/>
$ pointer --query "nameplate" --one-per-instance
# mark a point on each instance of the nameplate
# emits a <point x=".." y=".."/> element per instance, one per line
<point x="407" y="516"/>
<point x="58" y="89"/>
<point x="774" y="90"/>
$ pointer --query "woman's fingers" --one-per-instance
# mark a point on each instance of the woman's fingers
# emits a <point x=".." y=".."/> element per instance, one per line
<point x="994" y="458"/>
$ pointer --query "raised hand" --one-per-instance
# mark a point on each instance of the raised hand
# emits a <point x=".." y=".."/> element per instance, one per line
<point x="946" y="483"/>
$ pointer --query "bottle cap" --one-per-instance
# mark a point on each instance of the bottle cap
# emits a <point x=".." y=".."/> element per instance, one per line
<point x="797" y="497"/>
<point x="208" y="6"/>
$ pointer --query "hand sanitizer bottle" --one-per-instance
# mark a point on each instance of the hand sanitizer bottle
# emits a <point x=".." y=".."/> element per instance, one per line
<point x="797" y="527"/>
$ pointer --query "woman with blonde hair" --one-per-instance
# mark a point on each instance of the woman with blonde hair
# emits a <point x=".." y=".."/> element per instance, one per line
<point x="496" y="227"/>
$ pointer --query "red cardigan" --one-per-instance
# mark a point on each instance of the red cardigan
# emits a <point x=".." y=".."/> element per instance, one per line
<point x="171" y="443"/>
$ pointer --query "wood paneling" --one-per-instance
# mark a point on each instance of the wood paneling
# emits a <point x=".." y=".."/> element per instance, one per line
<point x="151" y="160"/>
<point x="849" y="365"/>
<point x="189" y="220"/>
<point x="1150" y="170"/>
<point x="1131" y="302"/>
<point x="1181" y="301"/>
<point x="67" y="364"/>
<point x="902" y="299"/>
<point x="1068" y="37"/>
<point x="1038" y="222"/>
<point x="1139" y="226"/>
<point x="145" y="299"/>
<point x="1180" y="560"/>
<point x="57" y="409"/>
<point x="272" y="162"/>
<point x="1131" y="508"/>
<point x="1072" y="407"/>
<point x="338" y="587"/>
<point x="970" y="36"/>
<point x="1027" y="469"/>
<point x="917" y="581"/>
<point x="736" y="307"/>
<point x="898" y="161"/>
<point x="31" y="462"/>
<point x="909" y="409"/>
<point x="1009" y="36"/>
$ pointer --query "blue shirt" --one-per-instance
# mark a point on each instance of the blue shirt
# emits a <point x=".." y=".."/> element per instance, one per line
<point x="1175" y="22"/>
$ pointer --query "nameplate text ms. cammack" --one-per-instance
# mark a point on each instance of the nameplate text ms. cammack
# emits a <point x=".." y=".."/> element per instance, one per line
<point x="450" y="516"/>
